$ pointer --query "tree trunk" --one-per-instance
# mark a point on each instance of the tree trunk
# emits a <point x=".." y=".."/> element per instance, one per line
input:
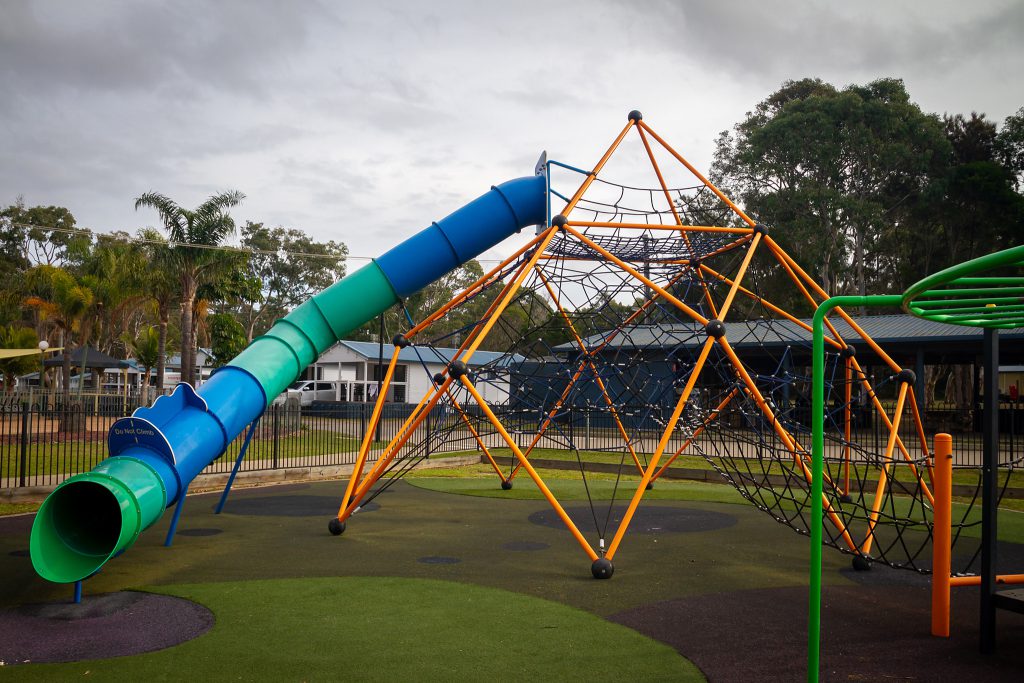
<point x="161" y="360"/>
<point x="188" y="357"/>
<point x="65" y="368"/>
<point x="186" y="340"/>
<point x="858" y="260"/>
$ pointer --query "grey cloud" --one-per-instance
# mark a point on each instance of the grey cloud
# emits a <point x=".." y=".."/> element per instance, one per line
<point x="122" y="46"/>
<point x="792" y="39"/>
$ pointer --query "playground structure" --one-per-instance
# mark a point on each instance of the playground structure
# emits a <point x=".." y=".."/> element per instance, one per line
<point x="622" y="268"/>
<point x="626" y="271"/>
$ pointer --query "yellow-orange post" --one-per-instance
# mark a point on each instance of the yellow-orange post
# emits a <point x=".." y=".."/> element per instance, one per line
<point x="942" y="522"/>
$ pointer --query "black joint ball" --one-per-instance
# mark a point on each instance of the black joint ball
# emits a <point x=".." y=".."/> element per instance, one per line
<point x="602" y="568"/>
<point x="559" y="221"/>
<point x="846" y="499"/>
<point x="457" y="369"/>
<point x="906" y="376"/>
<point x="506" y="484"/>
<point x="848" y="352"/>
<point x="635" y="115"/>
<point x="400" y="341"/>
<point x="861" y="563"/>
<point x="650" y="485"/>
<point x="715" y="328"/>
<point x="336" y="527"/>
<point x="761" y="229"/>
<point x="439" y="379"/>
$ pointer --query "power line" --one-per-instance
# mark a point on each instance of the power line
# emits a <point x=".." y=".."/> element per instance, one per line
<point x="212" y="247"/>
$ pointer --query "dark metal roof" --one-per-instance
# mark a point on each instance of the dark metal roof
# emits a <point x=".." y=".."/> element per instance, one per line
<point x="94" y="358"/>
<point x="894" y="333"/>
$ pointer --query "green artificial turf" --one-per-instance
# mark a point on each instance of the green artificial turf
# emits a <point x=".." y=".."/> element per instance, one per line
<point x="385" y="629"/>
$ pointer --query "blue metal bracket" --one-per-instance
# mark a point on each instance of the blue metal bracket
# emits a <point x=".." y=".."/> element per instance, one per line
<point x="175" y="518"/>
<point x="238" y="463"/>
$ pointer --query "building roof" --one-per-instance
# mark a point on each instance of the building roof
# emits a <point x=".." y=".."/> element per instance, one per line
<point x="902" y="332"/>
<point x="427" y="354"/>
<point x="94" y="358"/>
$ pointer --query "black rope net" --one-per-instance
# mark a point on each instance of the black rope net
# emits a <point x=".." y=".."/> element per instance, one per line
<point x="587" y="361"/>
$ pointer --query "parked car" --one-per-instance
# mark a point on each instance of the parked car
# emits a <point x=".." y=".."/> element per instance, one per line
<point x="308" y="391"/>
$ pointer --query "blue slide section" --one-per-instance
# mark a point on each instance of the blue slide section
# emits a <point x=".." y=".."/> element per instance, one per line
<point x="155" y="453"/>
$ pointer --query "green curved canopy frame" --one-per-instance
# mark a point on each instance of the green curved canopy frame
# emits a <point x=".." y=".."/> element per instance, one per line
<point x="964" y="294"/>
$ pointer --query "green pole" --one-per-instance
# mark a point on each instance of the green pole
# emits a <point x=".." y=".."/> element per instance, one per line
<point x="818" y="463"/>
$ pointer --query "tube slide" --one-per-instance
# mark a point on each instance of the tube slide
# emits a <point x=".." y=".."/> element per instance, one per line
<point x="155" y="453"/>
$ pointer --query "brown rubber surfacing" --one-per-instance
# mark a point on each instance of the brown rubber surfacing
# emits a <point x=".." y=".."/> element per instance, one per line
<point x="102" y="626"/>
<point x="869" y="633"/>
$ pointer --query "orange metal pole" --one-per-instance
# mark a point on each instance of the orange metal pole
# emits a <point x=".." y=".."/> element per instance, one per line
<point x="476" y="436"/>
<point x="364" y="447"/>
<point x="507" y="298"/>
<point x="942" y="534"/>
<point x="697" y="173"/>
<point x="661" y="180"/>
<point x="915" y="411"/>
<point x="593" y="368"/>
<point x="662" y="445"/>
<point x="459" y="298"/>
<point x="883" y="476"/>
<point x="633" y="316"/>
<point x="739" y="275"/>
<point x="786" y="438"/>
<point x="529" y="469"/>
<point x="697" y="432"/>
<point x="849" y="321"/>
<point x="661" y="226"/>
<point x="769" y="305"/>
<point x="1002" y="579"/>
<point x="408" y="428"/>
<point x="888" y="423"/>
<point x="647" y="281"/>
<point x="550" y="416"/>
<point x="571" y="204"/>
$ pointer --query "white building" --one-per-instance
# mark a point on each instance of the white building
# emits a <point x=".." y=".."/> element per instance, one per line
<point x="355" y="368"/>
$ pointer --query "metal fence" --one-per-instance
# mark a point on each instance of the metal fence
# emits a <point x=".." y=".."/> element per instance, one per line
<point x="52" y="437"/>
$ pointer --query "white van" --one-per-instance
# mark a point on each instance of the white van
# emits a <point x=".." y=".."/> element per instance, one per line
<point x="308" y="391"/>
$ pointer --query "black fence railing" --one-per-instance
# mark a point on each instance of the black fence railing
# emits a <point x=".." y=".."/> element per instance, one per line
<point x="53" y="437"/>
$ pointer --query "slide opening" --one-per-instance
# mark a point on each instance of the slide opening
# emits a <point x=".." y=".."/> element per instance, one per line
<point x="87" y="517"/>
<point x="79" y="527"/>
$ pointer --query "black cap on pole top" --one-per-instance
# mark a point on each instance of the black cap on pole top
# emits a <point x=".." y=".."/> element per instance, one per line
<point x="635" y="115"/>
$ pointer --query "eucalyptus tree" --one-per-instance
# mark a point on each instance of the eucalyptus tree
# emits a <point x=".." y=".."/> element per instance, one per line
<point x="832" y="170"/>
<point x="190" y="234"/>
<point x="285" y="267"/>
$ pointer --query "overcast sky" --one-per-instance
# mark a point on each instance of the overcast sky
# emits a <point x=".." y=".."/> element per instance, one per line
<point x="363" y="122"/>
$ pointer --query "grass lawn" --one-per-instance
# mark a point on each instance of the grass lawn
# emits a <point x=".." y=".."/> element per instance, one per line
<point x="385" y="629"/>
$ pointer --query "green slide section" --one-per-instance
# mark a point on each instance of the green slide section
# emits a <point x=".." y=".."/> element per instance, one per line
<point x="309" y="330"/>
<point x="97" y="515"/>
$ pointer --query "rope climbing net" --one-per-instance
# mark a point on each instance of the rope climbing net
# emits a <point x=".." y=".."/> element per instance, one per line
<point x="634" y="334"/>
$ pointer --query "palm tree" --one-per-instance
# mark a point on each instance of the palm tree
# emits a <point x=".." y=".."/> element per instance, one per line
<point x="188" y="232"/>
<point x="61" y="301"/>
<point x="161" y="285"/>
<point x="146" y="350"/>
